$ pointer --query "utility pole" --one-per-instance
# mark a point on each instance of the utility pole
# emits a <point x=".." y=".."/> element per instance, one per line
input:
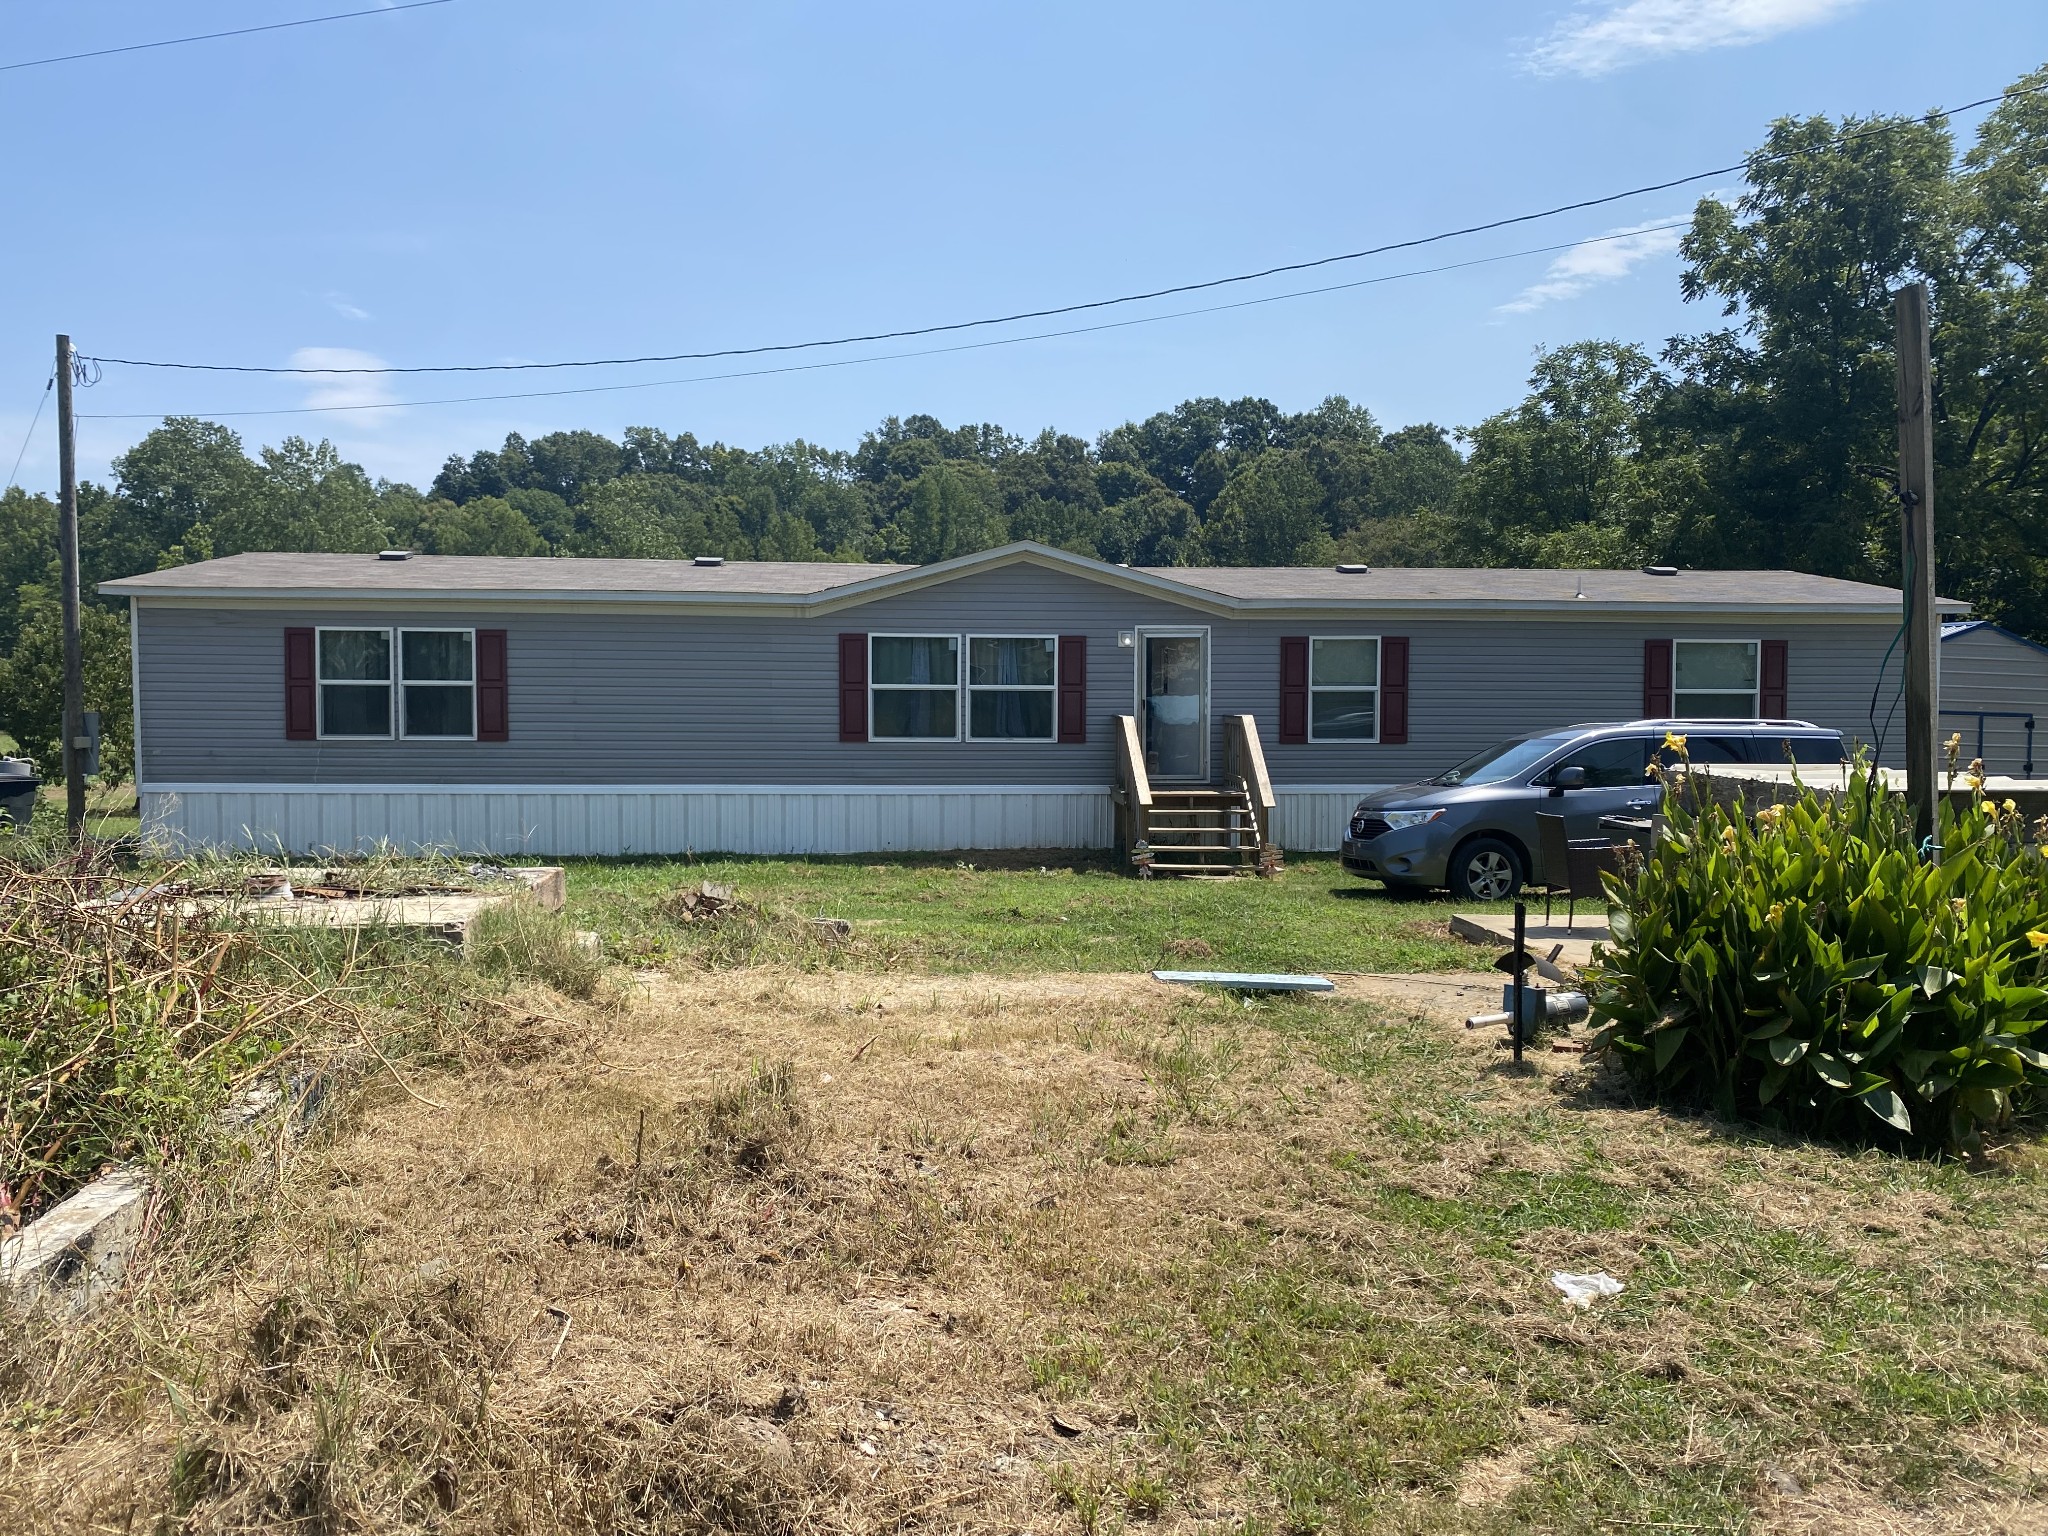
<point x="1916" y="518"/>
<point x="67" y="595"/>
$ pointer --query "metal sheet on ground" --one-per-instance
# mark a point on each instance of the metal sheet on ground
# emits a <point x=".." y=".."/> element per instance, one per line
<point x="1245" y="981"/>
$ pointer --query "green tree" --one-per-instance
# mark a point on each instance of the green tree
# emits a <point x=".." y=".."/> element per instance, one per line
<point x="28" y="557"/>
<point x="1270" y="513"/>
<point x="32" y="689"/>
<point x="950" y="511"/>
<point x="487" y="525"/>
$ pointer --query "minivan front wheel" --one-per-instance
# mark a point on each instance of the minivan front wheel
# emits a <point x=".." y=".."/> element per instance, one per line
<point x="1486" y="869"/>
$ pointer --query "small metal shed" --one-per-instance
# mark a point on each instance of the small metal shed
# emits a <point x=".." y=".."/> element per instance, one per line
<point x="1994" y="688"/>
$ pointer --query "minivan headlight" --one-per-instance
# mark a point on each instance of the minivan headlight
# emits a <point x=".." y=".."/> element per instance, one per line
<point x="1398" y="820"/>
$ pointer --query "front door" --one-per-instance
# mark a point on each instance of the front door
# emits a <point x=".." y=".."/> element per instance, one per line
<point x="1173" y="703"/>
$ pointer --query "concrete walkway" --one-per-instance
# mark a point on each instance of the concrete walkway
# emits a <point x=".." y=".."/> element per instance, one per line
<point x="1496" y="930"/>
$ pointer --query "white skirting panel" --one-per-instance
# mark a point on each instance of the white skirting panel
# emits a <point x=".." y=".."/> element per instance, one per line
<point x="1311" y="818"/>
<point x="631" y="820"/>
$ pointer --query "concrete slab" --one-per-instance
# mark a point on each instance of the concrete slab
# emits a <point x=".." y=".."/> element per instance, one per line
<point x="75" y="1252"/>
<point x="446" y="913"/>
<point x="1248" y="981"/>
<point x="1496" y="930"/>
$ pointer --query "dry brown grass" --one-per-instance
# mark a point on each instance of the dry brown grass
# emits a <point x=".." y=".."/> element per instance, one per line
<point x="779" y="1251"/>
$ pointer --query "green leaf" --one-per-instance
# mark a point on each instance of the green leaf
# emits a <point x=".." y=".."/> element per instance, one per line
<point x="1934" y="979"/>
<point x="1785" y="1050"/>
<point x="1890" y="1108"/>
<point x="1831" y="1070"/>
<point x="1667" y="1044"/>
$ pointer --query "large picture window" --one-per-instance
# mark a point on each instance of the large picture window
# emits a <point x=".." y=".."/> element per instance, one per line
<point x="1344" y="688"/>
<point x="1714" y="679"/>
<point x="914" y="687"/>
<point x="1011" y="683"/>
<point x="437" y="683"/>
<point x="355" y="684"/>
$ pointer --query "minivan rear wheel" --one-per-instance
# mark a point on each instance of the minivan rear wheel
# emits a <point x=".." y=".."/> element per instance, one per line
<point x="1486" y="869"/>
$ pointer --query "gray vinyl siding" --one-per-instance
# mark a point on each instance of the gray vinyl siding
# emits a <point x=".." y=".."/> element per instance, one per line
<point x="1984" y="669"/>
<point x="657" y="696"/>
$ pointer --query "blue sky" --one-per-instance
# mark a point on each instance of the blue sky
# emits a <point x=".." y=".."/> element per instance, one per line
<point x="493" y="180"/>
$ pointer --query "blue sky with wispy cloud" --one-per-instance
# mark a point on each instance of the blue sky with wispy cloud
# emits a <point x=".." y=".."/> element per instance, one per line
<point x="492" y="180"/>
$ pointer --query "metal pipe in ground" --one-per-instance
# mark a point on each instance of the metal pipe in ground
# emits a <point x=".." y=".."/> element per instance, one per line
<point x="1521" y="967"/>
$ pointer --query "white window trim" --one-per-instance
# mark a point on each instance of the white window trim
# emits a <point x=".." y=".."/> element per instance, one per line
<point x="401" y="682"/>
<point x="321" y="683"/>
<point x="969" y="687"/>
<point x="1140" y="635"/>
<point x="1379" y="662"/>
<point x="1756" y="694"/>
<point x="958" y="686"/>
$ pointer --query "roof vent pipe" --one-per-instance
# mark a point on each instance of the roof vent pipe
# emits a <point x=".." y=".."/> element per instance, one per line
<point x="394" y="554"/>
<point x="709" y="560"/>
<point x="1355" y="570"/>
<point x="1660" y="570"/>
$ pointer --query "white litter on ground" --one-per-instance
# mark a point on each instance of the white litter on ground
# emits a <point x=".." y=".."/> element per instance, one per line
<point x="1583" y="1290"/>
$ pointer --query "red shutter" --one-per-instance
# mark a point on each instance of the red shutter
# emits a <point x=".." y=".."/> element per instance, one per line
<point x="853" y="687"/>
<point x="1656" y="679"/>
<point x="1771" y="702"/>
<point x="1294" y="689"/>
<point x="1073" y="676"/>
<point x="1393" y="693"/>
<point x="493" y="719"/>
<point x="301" y="690"/>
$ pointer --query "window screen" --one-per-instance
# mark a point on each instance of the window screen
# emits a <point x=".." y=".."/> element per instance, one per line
<point x="1343" y="689"/>
<point x="355" y="682"/>
<point x="1010" y="687"/>
<point x="914" y="687"/>
<point x="1714" y="679"/>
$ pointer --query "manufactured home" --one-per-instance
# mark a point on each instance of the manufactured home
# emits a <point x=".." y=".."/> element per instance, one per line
<point x="1994" y="691"/>
<point x="1022" y="697"/>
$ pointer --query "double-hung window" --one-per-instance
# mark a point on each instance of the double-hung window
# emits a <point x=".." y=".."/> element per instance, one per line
<point x="1714" y="679"/>
<point x="1011" y="686"/>
<point x="914" y="687"/>
<point x="416" y="684"/>
<point x="437" y="684"/>
<point x="1344" y="688"/>
<point x="355" y="684"/>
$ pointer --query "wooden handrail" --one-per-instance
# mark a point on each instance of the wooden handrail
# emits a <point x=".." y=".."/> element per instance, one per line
<point x="1134" y="785"/>
<point x="1245" y="763"/>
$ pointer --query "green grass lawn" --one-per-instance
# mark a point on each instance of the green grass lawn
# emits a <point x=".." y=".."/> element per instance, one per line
<point x="1019" y="912"/>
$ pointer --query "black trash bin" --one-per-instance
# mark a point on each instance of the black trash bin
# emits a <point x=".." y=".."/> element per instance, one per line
<point x="18" y="786"/>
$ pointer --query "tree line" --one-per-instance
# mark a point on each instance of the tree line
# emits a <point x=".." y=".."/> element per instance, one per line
<point x="1764" y="440"/>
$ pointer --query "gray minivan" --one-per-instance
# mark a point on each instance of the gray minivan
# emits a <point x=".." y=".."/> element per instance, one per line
<point x="1473" y="827"/>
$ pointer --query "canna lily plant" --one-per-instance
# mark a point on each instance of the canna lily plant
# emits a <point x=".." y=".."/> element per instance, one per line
<point x="1805" y="966"/>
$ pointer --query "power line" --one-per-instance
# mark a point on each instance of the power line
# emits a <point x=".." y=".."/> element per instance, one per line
<point x="1091" y="304"/>
<point x="208" y="37"/>
<point x="33" y="421"/>
<point x="888" y="357"/>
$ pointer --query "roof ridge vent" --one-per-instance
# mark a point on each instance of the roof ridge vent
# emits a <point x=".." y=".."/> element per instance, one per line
<point x="394" y="554"/>
<point x="709" y="560"/>
<point x="1355" y="570"/>
<point x="1660" y="570"/>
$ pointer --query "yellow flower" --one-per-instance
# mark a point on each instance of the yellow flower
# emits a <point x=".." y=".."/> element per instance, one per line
<point x="1727" y="839"/>
<point x="1777" y="912"/>
<point x="2038" y="940"/>
<point x="1988" y="809"/>
<point x="2010" y="808"/>
<point x="1673" y="742"/>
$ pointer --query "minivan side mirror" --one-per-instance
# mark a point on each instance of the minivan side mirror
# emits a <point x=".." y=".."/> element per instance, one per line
<point x="1573" y="777"/>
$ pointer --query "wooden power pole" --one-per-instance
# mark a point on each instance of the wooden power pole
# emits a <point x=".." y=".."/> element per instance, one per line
<point x="67" y="596"/>
<point x="1916" y="517"/>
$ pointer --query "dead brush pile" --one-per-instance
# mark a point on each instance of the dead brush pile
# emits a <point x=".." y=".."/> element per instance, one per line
<point x="124" y="1027"/>
<point x="722" y="930"/>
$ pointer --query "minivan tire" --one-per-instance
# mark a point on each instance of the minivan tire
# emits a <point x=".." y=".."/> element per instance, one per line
<point x="1486" y="869"/>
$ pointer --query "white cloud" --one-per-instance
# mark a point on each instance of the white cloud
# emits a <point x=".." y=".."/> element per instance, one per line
<point x="1605" y="260"/>
<point x="346" y="310"/>
<point x="1597" y="41"/>
<point x="329" y="390"/>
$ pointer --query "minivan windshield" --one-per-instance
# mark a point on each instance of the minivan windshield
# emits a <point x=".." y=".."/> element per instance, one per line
<point x="1508" y="760"/>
